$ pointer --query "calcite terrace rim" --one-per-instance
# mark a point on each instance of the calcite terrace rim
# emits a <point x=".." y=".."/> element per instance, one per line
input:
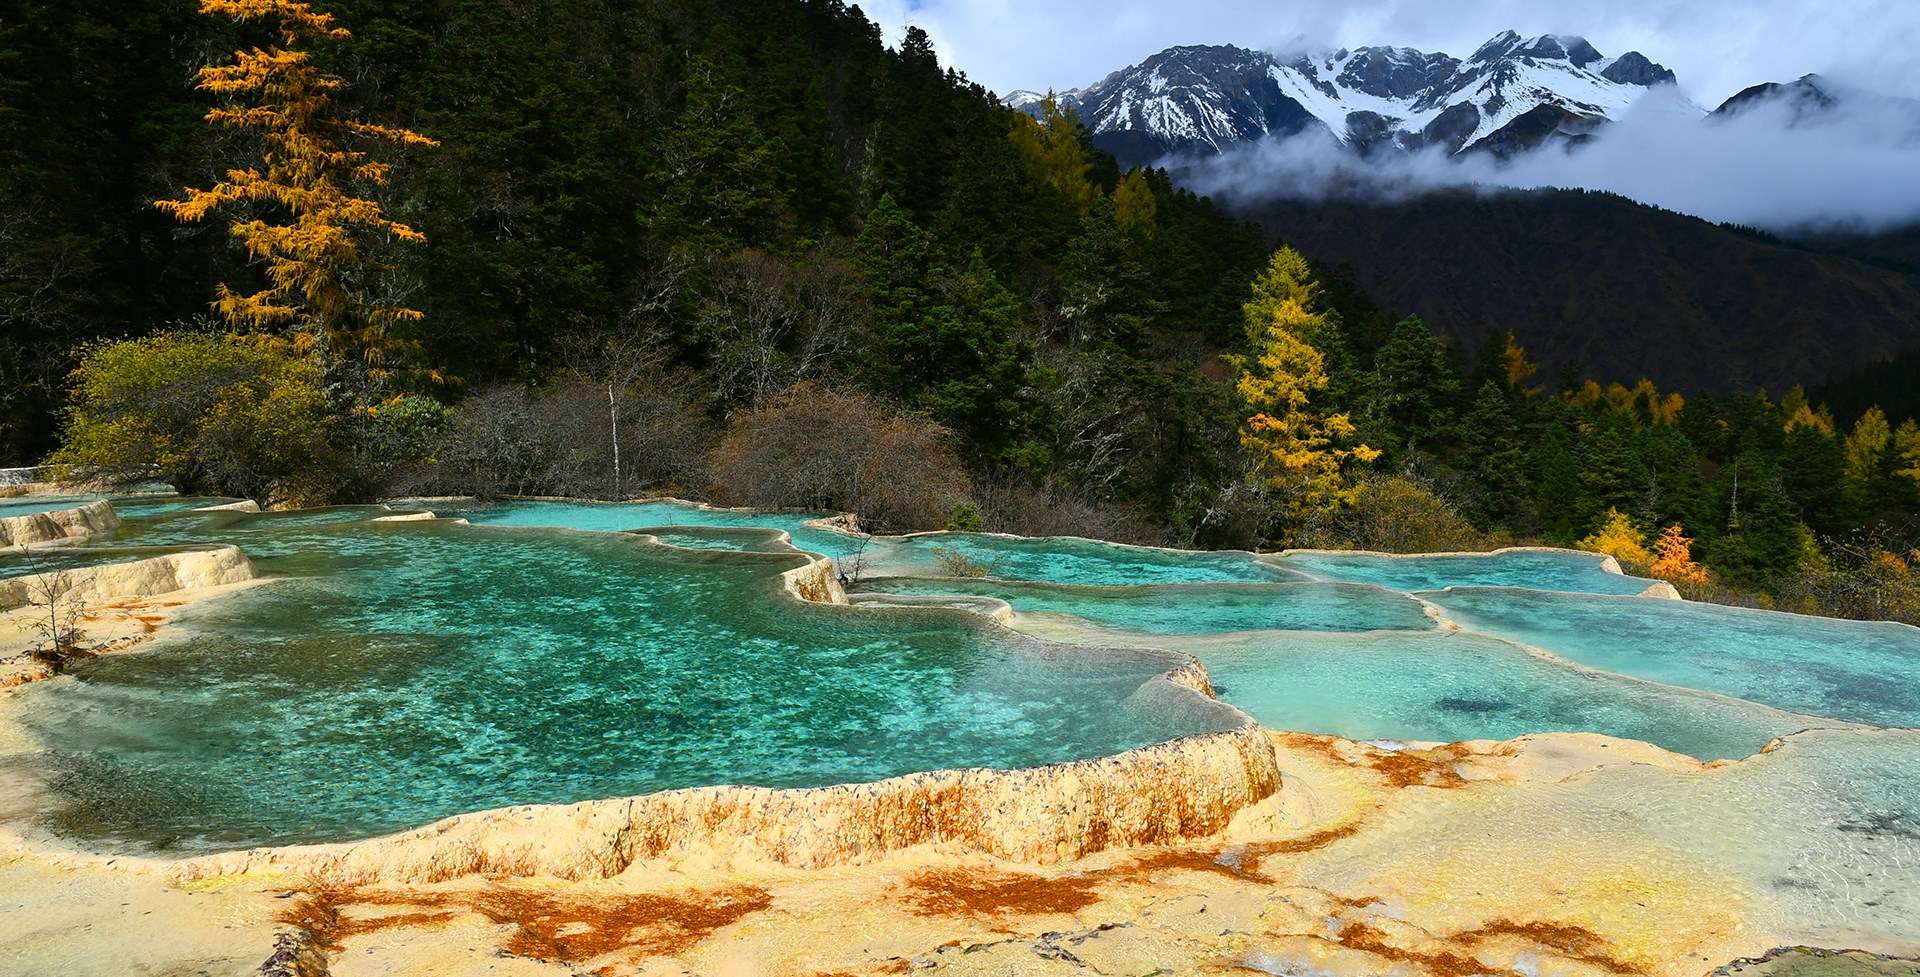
<point x="1221" y="773"/>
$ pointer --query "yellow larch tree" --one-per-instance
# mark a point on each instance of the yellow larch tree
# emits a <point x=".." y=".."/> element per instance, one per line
<point x="1619" y="538"/>
<point x="1134" y="207"/>
<point x="1051" y="147"/>
<point x="1286" y="278"/>
<point x="1295" y="448"/>
<point x="1673" y="558"/>
<point x="295" y="211"/>
<point x="1519" y="368"/>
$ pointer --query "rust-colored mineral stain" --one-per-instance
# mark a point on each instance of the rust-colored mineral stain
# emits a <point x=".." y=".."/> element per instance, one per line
<point x="548" y="927"/>
<point x="1568" y="940"/>
<point x="952" y="892"/>
<point x="1419" y="768"/>
<point x="1440" y="963"/>
<point x="318" y="913"/>
<point x="568" y="929"/>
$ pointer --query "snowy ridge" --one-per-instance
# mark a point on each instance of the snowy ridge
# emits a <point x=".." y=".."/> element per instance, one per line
<point x="1208" y="97"/>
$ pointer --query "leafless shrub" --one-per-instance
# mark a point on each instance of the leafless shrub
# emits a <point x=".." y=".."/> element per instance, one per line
<point x="953" y="563"/>
<point x="616" y="421"/>
<point x="1025" y="509"/>
<point x="836" y="448"/>
<point x="772" y="323"/>
<point x="56" y="613"/>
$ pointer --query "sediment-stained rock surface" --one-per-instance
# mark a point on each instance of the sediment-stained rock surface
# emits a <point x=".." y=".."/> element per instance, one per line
<point x="1173" y="791"/>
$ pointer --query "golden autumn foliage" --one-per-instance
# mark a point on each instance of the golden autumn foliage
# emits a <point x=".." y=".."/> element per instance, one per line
<point x="1294" y="447"/>
<point x="1287" y="277"/>
<point x="1643" y="401"/>
<point x="1673" y="558"/>
<point x="1805" y="416"/>
<point x="1054" y="154"/>
<point x="1519" y="369"/>
<point x="1619" y="538"/>
<point x="1134" y="207"/>
<point x="294" y="211"/>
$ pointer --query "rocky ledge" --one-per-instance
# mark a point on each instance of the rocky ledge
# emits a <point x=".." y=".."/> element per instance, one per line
<point x="58" y="525"/>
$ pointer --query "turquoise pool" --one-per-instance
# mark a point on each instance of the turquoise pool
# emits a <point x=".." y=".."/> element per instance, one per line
<point x="1854" y="670"/>
<point x="1447" y="687"/>
<point x="400" y="672"/>
<point x="31" y="504"/>
<point x="1174" y="609"/>
<point x="408" y="671"/>
<point x="648" y="516"/>
<point x="1537" y="569"/>
<point x="1072" y="561"/>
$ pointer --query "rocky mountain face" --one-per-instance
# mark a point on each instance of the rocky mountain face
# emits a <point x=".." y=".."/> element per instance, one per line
<point x="1511" y="94"/>
<point x="1815" y="100"/>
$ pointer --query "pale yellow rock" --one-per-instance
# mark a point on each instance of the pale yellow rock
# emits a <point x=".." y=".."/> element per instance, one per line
<point x="190" y="570"/>
<point x="244" y="505"/>
<point x="60" y="525"/>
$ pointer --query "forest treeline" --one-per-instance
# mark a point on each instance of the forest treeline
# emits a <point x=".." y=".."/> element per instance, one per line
<point x="746" y="251"/>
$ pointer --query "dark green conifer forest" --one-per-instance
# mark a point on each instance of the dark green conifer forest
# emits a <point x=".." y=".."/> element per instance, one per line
<point x="658" y="230"/>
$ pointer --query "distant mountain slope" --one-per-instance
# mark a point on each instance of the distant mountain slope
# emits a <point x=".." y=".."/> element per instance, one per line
<point x="1620" y="288"/>
<point x="1511" y="93"/>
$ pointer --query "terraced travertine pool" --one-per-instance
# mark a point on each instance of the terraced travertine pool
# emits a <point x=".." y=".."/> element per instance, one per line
<point x="400" y="672"/>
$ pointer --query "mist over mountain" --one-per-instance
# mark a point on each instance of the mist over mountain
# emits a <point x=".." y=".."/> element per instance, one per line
<point x="1382" y="124"/>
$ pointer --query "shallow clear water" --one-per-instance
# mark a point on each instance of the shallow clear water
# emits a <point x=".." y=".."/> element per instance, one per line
<point x="30" y="504"/>
<point x="55" y="558"/>
<point x="408" y="671"/>
<point x="1190" y="608"/>
<point x="139" y="506"/>
<point x="413" y="671"/>
<point x="1071" y="561"/>
<point x="1575" y="572"/>
<point x="1447" y="686"/>
<point x="1855" y="670"/>
<point x="622" y="516"/>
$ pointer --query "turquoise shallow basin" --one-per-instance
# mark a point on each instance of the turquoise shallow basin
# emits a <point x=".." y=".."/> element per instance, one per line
<point x="1538" y="569"/>
<point x="1864" y="671"/>
<point x="400" y="672"/>
<point x="409" y="671"/>
<point x="1175" y="609"/>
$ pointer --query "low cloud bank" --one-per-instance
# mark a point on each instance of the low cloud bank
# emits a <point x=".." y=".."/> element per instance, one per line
<point x="1856" y="167"/>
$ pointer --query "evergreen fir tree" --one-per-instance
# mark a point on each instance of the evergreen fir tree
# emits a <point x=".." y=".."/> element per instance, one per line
<point x="1490" y="442"/>
<point x="1413" y="387"/>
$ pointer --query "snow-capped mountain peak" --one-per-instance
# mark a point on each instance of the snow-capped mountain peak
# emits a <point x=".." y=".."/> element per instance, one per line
<point x="1513" y="92"/>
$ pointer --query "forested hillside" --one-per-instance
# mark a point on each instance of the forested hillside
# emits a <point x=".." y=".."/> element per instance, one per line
<point x="1617" y="288"/>
<point x="745" y="252"/>
<point x="669" y="167"/>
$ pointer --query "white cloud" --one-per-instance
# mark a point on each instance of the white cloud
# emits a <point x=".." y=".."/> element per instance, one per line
<point x="1857" y="169"/>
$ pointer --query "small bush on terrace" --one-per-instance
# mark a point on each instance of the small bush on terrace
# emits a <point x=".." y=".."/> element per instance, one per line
<point x="836" y="448"/>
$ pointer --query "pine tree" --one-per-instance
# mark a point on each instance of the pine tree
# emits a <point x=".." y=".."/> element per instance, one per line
<point x="1612" y="473"/>
<point x="315" y="241"/>
<point x="1813" y="466"/>
<point x="718" y="186"/>
<point x="1413" y="387"/>
<point x="1490" y="441"/>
